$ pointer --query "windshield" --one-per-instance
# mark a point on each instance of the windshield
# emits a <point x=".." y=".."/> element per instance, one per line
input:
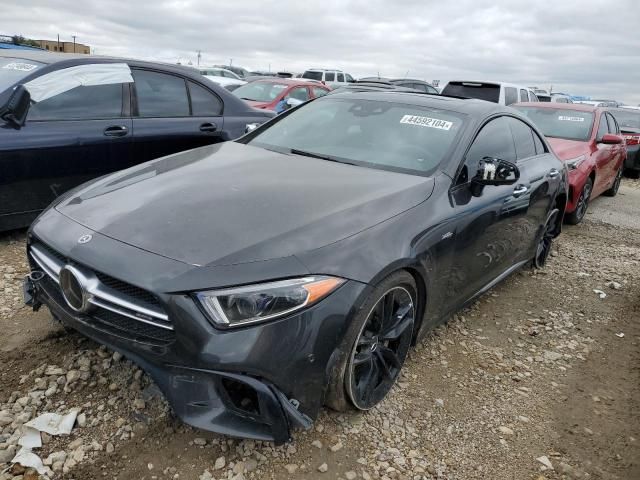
<point x="629" y="119"/>
<point x="260" y="91"/>
<point x="12" y="70"/>
<point x="559" y="123"/>
<point x="212" y="72"/>
<point x="312" y="75"/>
<point x="378" y="134"/>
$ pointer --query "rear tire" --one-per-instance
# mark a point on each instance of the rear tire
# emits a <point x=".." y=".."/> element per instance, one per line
<point x="613" y="191"/>
<point x="376" y="345"/>
<point x="582" y="205"/>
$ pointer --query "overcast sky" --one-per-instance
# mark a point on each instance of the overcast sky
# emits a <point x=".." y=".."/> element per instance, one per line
<point x="583" y="47"/>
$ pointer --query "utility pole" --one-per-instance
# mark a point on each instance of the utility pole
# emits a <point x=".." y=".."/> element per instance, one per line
<point x="199" y="56"/>
<point x="58" y="42"/>
<point x="74" y="43"/>
<point x="230" y="61"/>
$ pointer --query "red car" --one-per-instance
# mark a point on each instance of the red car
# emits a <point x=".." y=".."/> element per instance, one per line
<point x="278" y="94"/>
<point x="588" y="140"/>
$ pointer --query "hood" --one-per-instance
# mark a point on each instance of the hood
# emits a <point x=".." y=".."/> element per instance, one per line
<point x="233" y="203"/>
<point x="568" y="149"/>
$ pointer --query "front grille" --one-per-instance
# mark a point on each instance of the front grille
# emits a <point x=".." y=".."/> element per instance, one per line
<point x="117" y="306"/>
<point x="113" y="323"/>
<point x="111" y="282"/>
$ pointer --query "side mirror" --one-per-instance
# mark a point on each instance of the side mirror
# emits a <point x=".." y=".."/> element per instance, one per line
<point x="610" y="139"/>
<point x="494" y="171"/>
<point x="15" y="110"/>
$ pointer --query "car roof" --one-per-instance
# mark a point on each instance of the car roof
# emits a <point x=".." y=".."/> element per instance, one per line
<point x="470" y="106"/>
<point x="497" y="84"/>
<point x="290" y="81"/>
<point x="582" y="107"/>
<point x="51" y="58"/>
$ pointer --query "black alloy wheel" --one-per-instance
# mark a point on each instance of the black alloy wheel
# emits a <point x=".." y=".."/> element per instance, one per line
<point x="613" y="191"/>
<point x="381" y="348"/>
<point x="546" y="240"/>
<point x="582" y="204"/>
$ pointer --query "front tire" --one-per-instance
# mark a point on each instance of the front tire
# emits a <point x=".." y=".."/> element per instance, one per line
<point x="377" y="345"/>
<point x="582" y="205"/>
<point x="546" y="239"/>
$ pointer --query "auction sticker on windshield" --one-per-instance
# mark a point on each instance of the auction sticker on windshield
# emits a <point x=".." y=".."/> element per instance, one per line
<point x="570" y="119"/>
<point x="23" y="67"/>
<point x="426" y="122"/>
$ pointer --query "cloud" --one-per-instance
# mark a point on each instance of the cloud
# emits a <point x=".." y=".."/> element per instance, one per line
<point x="582" y="47"/>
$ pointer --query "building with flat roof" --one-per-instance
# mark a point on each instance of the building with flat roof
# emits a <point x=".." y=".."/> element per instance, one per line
<point x="64" y="47"/>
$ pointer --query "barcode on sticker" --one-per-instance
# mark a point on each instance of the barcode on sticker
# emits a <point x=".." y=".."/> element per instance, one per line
<point x="426" y="122"/>
<point x="23" y="67"/>
<point x="570" y="119"/>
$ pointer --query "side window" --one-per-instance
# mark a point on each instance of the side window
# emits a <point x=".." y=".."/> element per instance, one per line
<point x="299" y="93"/>
<point x="340" y="77"/>
<point x="603" y="127"/>
<point x="532" y="97"/>
<point x="494" y="140"/>
<point x="349" y="78"/>
<point x="524" y="97"/>
<point x="431" y="89"/>
<point x="538" y="143"/>
<point x="562" y="100"/>
<point x="319" y="92"/>
<point x="419" y="86"/>
<point x="329" y="76"/>
<point x="203" y="102"/>
<point x="81" y="103"/>
<point x="510" y="95"/>
<point x="523" y="138"/>
<point x="613" y="125"/>
<point x="160" y="94"/>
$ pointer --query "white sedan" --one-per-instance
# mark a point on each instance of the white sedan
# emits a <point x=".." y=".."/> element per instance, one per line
<point x="222" y="76"/>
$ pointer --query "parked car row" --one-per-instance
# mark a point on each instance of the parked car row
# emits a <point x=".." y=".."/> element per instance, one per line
<point x="258" y="266"/>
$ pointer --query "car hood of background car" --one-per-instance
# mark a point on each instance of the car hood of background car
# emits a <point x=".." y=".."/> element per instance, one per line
<point x="567" y="149"/>
<point x="232" y="203"/>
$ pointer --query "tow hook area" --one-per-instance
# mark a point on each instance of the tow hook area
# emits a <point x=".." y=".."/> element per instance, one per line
<point x="30" y="289"/>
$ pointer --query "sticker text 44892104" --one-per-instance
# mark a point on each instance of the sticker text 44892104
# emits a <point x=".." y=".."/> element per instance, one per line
<point x="426" y="122"/>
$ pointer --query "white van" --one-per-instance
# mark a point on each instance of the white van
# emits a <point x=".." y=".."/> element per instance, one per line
<point x="496" y="92"/>
<point x="331" y="78"/>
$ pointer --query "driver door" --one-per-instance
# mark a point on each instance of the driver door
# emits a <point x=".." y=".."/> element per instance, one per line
<point x="489" y="235"/>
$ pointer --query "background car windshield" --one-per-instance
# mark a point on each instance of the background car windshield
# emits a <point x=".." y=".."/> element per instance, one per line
<point x="558" y="123"/>
<point x="12" y="70"/>
<point x="377" y="134"/>
<point x="627" y="119"/>
<point x="260" y="91"/>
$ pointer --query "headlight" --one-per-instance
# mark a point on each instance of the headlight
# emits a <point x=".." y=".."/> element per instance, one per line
<point x="231" y="307"/>
<point x="574" y="163"/>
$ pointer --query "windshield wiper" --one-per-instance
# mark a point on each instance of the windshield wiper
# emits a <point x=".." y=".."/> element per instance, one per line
<point x="295" y="151"/>
<point x="250" y="99"/>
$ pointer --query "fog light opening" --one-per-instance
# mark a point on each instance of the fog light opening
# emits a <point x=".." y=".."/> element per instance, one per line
<point x="242" y="396"/>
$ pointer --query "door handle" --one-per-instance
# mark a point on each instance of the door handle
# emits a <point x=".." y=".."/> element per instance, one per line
<point x="116" y="131"/>
<point x="208" y="127"/>
<point x="520" y="189"/>
<point x="553" y="173"/>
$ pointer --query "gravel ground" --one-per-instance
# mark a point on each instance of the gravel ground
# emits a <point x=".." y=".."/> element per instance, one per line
<point x="539" y="379"/>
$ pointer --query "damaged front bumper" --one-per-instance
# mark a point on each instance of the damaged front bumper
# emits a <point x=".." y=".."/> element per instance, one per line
<point x="230" y="382"/>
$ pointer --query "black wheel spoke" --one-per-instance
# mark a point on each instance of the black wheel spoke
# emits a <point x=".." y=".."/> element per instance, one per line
<point x="398" y="329"/>
<point x="390" y="356"/>
<point x="362" y="357"/>
<point x="386" y="371"/>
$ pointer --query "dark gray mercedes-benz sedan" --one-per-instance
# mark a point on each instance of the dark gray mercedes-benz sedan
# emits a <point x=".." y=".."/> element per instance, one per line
<point x="259" y="279"/>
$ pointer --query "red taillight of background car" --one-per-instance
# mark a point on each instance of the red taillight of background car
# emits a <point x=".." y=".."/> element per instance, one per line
<point x="632" y="139"/>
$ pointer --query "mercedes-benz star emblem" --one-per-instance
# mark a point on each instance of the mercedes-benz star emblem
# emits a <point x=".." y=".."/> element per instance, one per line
<point x="85" y="238"/>
<point x="73" y="290"/>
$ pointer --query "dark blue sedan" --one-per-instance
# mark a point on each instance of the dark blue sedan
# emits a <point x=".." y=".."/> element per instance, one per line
<point x="89" y="116"/>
